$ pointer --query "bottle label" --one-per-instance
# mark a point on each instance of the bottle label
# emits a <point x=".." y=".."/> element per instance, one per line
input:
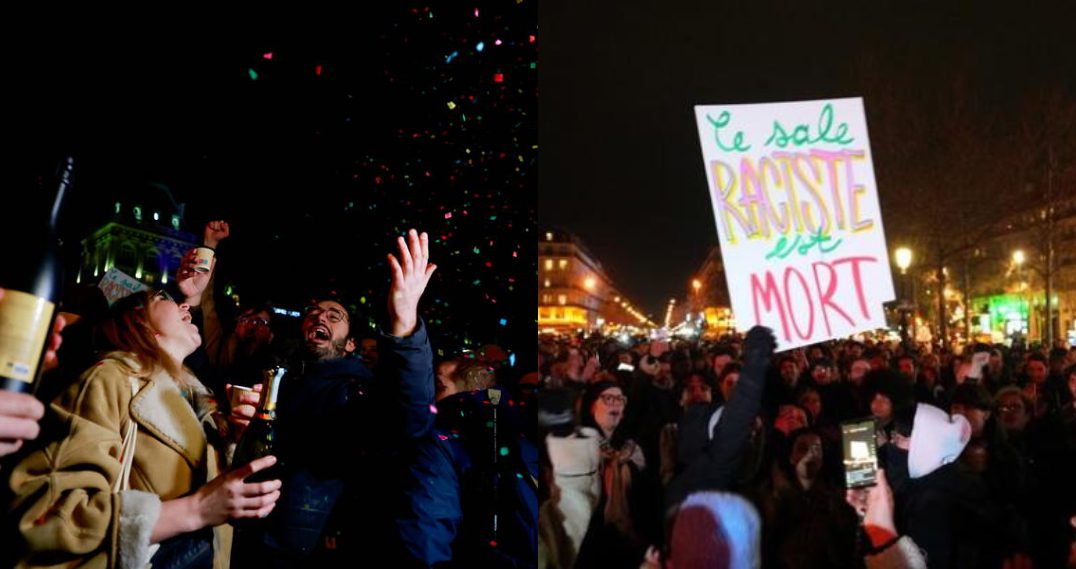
<point x="24" y="327"/>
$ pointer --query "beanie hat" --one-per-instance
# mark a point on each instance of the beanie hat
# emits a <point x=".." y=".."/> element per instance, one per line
<point x="716" y="529"/>
<point x="937" y="440"/>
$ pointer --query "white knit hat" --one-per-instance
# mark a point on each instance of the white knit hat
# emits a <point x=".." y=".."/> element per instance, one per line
<point x="937" y="439"/>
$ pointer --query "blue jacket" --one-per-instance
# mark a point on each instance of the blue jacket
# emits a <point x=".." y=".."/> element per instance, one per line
<point x="332" y="415"/>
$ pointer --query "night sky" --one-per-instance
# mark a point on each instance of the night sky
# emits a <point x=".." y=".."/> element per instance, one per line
<point x="364" y="124"/>
<point x="621" y="165"/>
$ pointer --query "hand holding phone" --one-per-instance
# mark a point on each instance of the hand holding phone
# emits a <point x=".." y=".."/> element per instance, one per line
<point x="860" y="452"/>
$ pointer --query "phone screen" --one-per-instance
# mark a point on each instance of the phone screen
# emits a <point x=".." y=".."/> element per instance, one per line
<point x="860" y="452"/>
<point x="625" y="367"/>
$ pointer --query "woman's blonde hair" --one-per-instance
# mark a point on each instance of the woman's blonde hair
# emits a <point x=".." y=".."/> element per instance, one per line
<point x="127" y="328"/>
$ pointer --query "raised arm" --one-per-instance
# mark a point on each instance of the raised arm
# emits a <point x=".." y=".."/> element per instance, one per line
<point x="410" y="275"/>
<point x="407" y="358"/>
<point x="715" y="469"/>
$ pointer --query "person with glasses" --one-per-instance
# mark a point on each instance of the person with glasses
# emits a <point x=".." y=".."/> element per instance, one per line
<point x="77" y="501"/>
<point x="236" y="355"/>
<point x="616" y="534"/>
<point x="334" y="413"/>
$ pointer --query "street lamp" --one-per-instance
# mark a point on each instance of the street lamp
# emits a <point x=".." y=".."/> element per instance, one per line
<point x="1018" y="259"/>
<point x="589" y="283"/>
<point x="903" y="256"/>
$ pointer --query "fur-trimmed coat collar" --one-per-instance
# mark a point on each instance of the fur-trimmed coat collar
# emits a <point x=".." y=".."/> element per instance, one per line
<point x="162" y="409"/>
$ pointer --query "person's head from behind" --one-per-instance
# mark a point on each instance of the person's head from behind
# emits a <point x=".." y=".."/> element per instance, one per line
<point x="253" y="325"/>
<point x="887" y="392"/>
<point x="715" y="529"/>
<point x="973" y="402"/>
<point x="722" y="356"/>
<point x="326" y="331"/>
<point x="153" y="327"/>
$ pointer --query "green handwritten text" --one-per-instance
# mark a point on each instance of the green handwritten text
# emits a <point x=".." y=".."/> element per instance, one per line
<point x="722" y="121"/>
<point x="801" y="134"/>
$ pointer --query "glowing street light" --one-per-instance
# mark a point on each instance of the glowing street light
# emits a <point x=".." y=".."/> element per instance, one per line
<point x="589" y="283"/>
<point x="903" y="256"/>
<point x="1018" y="257"/>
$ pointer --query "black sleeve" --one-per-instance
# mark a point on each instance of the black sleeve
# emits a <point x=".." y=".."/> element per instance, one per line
<point x="715" y="469"/>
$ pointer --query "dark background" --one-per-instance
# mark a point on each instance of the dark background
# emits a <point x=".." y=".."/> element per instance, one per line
<point x="317" y="174"/>
<point x="621" y="162"/>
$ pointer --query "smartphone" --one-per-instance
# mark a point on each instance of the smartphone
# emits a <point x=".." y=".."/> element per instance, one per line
<point x="625" y="367"/>
<point x="860" y="452"/>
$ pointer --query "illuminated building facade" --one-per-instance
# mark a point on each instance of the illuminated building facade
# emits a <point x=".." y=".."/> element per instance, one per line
<point x="574" y="292"/>
<point x="144" y="238"/>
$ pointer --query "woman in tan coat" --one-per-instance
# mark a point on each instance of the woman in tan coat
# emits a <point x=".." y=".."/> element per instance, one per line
<point x="71" y="505"/>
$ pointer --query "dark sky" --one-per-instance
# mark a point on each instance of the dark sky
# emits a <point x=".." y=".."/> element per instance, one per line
<point x="621" y="165"/>
<point x="410" y="123"/>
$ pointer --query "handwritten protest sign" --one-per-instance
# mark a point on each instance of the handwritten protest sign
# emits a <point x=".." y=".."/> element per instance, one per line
<point x="796" y="207"/>
<point x="117" y="284"/>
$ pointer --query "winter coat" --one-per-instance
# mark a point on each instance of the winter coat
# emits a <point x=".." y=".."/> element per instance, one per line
<point x="66" y="511"/>
<point x="331" y="416"/>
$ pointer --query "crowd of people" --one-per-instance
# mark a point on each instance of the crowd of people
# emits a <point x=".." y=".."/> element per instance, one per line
<point x="128" y="463"/>
<point x="723" y="453"/>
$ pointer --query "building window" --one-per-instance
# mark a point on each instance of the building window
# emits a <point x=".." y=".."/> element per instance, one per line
<point x="547" y="284"/>
<point x="548" y="236"/>
<point x="562" y="264"/>
<point x="562" y="299"/>
<point x="127" y="260"/>
<point x="547" y="298"/>
<point x="549" y="264"/>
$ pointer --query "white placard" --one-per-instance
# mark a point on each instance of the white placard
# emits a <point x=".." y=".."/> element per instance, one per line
<point x="797" y="214"/>
<point x="117" y="284"/>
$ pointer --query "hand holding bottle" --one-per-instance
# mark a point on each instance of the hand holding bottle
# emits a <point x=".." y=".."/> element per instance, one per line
<point x="227" y="497"/>
<point x="19" y="412"/>
<point x="55" y="339"/>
